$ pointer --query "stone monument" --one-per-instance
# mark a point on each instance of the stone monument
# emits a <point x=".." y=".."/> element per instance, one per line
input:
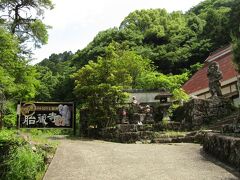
<point x="214" y="76"/>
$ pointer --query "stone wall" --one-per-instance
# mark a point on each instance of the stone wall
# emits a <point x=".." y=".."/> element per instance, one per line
<point x="130" y="133"/>
<point x="224" y="148"/>
<point x="198" y="112"/>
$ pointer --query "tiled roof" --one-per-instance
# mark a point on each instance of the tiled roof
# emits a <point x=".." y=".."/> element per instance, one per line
<point x="199" y="80"/>
<point x="218" y="53"/>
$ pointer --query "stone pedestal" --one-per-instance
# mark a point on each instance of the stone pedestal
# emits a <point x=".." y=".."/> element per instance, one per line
<point x="198" y="112"/>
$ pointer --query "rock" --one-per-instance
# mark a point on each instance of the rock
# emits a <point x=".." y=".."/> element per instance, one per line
<point x="48" y="158"/>
<point x="34" y="148"/>
<point x="46" y="147"/>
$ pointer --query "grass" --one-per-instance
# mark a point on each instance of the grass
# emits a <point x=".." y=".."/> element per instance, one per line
<point x="24" y="163"/>
<point x="169" y="134"/>
<point x="22" y="153"/>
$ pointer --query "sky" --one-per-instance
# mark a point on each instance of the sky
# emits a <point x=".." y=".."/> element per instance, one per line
<point x="76" y="22"/>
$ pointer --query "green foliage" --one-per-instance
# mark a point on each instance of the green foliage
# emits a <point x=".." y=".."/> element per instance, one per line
<point x="169" y="40"/>
<point x="17" y="77"/>
<point x="26" y="80"/>
<point x="221" y="20"/>
<point x="23" y="19"/>
<point x="18" y="160"/>
<point x="6" y="135"/>
<point x="235" y="15"/>
<point x="8" y="141"/>
<point x="10" y="115"/>
<point x="180" y="95"/>
<point x="48" y="83"/>
<point x="169" y="134"/>
<point x="39" y="31"/>
<point x="45" y="133"/>
<point x="8" y="51"/>
<point x="97" y="47"/>
<point x="172" y="41"/>
<point x="24" y="164"/>
<point x="234" y="18"/>
<point x="153" y="80"/>
<point x="98" y="85"/>
<point x="236" y="51"/>
<point x="58" y="63"/>
<point x="54" y="75"/>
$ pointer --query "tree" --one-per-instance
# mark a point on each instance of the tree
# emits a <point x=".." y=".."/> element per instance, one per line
<point x="234" y="18"/>
<point x="169" y="40"/>
<point x="17" y="77"/>
<point x="236" y="51"/>
<point x="155" y="80"/>
<point x="54" y="74"/>
<point x="23" y="18"/>
<point x="97" y="47"/>
<point x="8" y="56"/>
<point x="99" y="85"/>
<point x="48" y="84"/>
<point x="97" y="89"/>
<point x="57" y="63"/>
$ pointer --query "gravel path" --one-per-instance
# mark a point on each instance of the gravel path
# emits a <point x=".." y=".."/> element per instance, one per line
<point x="98" y="160"/>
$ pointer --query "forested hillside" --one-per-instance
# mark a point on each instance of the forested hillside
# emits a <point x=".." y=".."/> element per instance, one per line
<point x="172" y="41"/>
<point x="150" y="49"/>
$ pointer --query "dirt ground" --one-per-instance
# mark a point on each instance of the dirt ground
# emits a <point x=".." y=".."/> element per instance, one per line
<point x="99" y="160"/>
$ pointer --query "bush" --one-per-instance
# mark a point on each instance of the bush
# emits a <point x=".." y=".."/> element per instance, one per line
<point x="18" y="160"/>
<point x="8" y="142"/>
<point x="47" y="132"/>
<point x="6" y="135"/>
<point x="24" y="164"/>
<point x="9" y="119"/>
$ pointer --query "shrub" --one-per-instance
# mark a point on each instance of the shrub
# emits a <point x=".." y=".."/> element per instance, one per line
<point x="9" y="119"/>
<point x="24" y="164"/>
<point x="8" y="142"/>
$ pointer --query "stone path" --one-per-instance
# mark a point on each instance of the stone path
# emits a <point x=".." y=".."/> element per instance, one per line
<point x="98" y="160"/>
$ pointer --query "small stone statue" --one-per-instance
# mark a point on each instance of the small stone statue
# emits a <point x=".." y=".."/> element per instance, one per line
<point x="214" y="76"/>
<point x="124" y="116"/>
<point x="148" y="115"/>
<point x="135" y="105"/>
<point x="136" y="111"/>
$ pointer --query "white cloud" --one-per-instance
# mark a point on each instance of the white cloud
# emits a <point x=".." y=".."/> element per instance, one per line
<point x="76" y="22"/>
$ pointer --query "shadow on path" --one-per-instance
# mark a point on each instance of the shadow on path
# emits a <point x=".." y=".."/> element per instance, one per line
<point x="212" y="159"/>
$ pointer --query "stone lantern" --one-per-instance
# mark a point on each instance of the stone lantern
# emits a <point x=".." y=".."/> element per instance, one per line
<point x="165" y="102"/>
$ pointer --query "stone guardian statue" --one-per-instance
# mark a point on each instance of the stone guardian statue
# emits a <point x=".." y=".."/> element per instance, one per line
<point x="214" y="76"/>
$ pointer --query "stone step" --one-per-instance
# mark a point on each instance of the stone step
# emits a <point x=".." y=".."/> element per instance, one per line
<point x="185" y="139"/>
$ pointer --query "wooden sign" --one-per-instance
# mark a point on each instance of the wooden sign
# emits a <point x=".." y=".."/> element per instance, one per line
<point x="46" y="115"/>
